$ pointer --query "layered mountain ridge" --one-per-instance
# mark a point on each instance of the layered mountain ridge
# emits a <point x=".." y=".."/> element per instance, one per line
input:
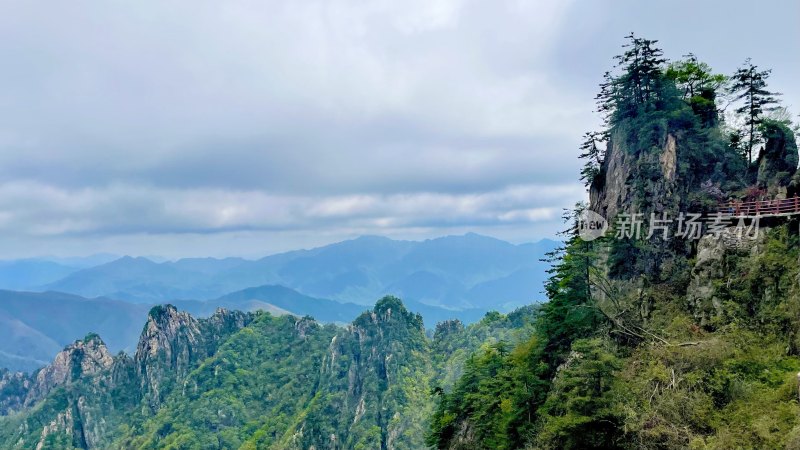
<point x="37" y="325"/>
<point x="452" y="277"/>
<point x="266" y="381"/>
<point x="452" y="271"/>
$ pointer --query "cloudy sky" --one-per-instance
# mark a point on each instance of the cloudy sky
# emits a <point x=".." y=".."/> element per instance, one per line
<point x="187" y="128"/>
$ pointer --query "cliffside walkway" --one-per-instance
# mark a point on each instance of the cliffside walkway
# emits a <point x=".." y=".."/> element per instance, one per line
<point x="783" y="207"/>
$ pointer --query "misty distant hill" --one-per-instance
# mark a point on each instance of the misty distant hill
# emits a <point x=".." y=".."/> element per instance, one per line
<point x="282" y="300"/>
<point x="28" y="273"/>
<point x="454" y="272"/>
<point x="36" y="326"/>
<point x="31" y="273"/>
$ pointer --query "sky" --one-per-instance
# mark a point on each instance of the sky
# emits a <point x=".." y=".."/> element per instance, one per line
<point x="199" y="128"/>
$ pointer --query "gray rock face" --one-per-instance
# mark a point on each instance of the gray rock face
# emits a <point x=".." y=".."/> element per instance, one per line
<point x="708" y="268"/>
<point x="82" y="359"/>
<point x="223" y="323"/>
<point x="63" y="425"/>
<point x="669" y="158"/>
<point x="171" y="341"/>
<point x="101" y="385"/>
<point x="75" y="426"/>
<point x="87" y="361"/>
<point x="611" y="192"/>
<point x="628" y="175"/>
<point x="171" y="344"/>
<point x="372" y="352"/>
<point x="14" y="387"/>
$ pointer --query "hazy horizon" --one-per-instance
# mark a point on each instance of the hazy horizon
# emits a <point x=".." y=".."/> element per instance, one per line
<point x="255" y="255"/>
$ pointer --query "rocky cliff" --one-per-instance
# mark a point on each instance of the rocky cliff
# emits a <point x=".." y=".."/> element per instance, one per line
<point x="368" y="365"/>
<point x="73" y="401"/>
<point x="173" y="342"/>
<point x="635" y="179"/>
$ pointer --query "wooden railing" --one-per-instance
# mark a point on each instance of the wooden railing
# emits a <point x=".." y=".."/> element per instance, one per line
<point x="774" y="207"/>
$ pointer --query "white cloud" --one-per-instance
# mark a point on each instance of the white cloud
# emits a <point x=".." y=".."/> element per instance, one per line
<point x="126" y="209"/>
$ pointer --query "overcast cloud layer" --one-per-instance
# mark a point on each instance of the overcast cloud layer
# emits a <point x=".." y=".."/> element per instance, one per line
<point x="243" y="128"/>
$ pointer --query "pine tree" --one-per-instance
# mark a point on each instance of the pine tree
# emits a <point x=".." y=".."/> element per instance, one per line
<point x="607" y="99"/>
<point x="638" y="86"/>
<point x="642" y="67"/>
<point x="692" y="76"/>
<point x="569" y="314"/>
<point x="750" y="85"/>
<point x="593" y="155"/>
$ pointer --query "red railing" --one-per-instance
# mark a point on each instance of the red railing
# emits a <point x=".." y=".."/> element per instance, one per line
<point x="774" y="207"/>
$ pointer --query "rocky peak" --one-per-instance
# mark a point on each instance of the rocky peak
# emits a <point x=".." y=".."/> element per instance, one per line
<point x="447" y="328"/>
<point x="170" y="342"/>
<point x="79" y="360"/>
<point x="628" y="173"/>
<point x="173" y="342"/>
<point x="373" y="353"/>
<point x="165" y="328"/>
<point x="391" y="309"/>
<point x="386" y="332"/>
<point x="224" y="322"/>
<point x="14" y="386"/>
<point x="304" y="325"/>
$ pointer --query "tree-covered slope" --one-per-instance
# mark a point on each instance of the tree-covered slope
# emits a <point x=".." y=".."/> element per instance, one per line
<point x="249" y="380"/>
<point x="659" y="339"/>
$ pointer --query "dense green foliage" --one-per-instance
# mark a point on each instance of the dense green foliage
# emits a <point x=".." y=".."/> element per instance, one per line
<point x="268" y="382"/>
<point x="647" y="343"/>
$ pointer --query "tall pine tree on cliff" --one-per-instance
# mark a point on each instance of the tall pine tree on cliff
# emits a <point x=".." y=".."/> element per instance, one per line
<point x="750" y="85"/>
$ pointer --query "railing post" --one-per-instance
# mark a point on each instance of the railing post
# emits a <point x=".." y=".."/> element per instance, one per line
<point x="770" y="207"/>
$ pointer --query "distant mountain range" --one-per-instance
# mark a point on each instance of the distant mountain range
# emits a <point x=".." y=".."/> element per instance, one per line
<point x="469" y="271"/>
<point x="451" y="277"/>
<point x="28" y="274"/>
